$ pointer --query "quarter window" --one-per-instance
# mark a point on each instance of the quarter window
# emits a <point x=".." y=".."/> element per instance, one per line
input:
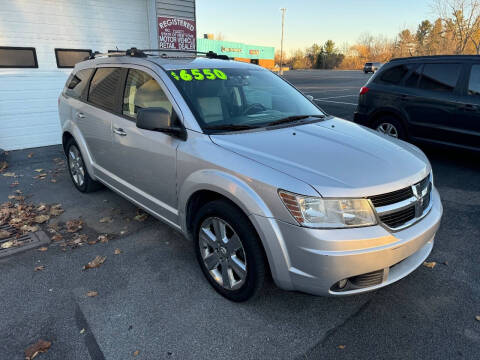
<point x="440" y="77"/>
<point x="474" y="81"/>
<point x="104" y="86"/>
<point x="77" y="83"/>
<point x="141" y="92"/>
<point x="394" y="75"/>
<point x="18" y="57"/>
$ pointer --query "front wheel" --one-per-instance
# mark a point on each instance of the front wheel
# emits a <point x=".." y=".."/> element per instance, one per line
<point x="228" y="250"/>
<point x="77" y="169"/>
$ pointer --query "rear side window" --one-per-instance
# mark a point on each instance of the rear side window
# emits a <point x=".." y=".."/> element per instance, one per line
<point x="142" y="92"/>
<point x="78" y="82"/>
<point x="474" y="81"/>
<point x="394" y="75"/>
<point x="440" y="77"/>
<point x="104" y="86"/>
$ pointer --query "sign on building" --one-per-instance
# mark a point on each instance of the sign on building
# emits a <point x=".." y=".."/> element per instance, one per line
<point x="176" y="33"/>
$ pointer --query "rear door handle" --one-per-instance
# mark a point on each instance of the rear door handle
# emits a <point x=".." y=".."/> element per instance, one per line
<point x="119" y="131"/>
<point x="80" y="115"/>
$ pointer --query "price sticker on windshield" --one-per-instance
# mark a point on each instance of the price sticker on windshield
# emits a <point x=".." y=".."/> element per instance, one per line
<point x="198" y="74"/>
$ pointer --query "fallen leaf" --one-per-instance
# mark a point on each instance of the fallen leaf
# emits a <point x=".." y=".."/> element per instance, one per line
<point x="92" y="242"/>
<point x="7" y="244"/>
<point x="30" y="155"/>
<point x="29" y="228"/>
<point x="103" y="238"/>
<point x="79" y="239"/>
<point x="73" y="225"/>
<point x="57" y="237"/>
<point x="16" y="197"/>
<point x="136" y="352"/>
<point x="9" y="174"/>
<point x="39" y="347"/>
<point x="4" y="234"/>
<point x="92" y="293"/>
<point x="106" y="219"/>
<point x="41" y="207"/>
<point x="117" y="252"/>
<point x="82" y="331"/>
<point x="141" y="217"/>
<point x="53" y="180"/>
<point x="40" y="219"/>
<point x="43" y="248"/>
<point x="56" y="210"/>
<point x="38" y="170"/>
<point x="40" y="268"/>
<point x="341" y="347"/>
<point x="3" y="165"/>
<point x="15" y="183"/>
<point x="99" y="260"/>
<point x="430" y="264"/>
<point x="123" y="232"/>
<point x="477" y="317"/>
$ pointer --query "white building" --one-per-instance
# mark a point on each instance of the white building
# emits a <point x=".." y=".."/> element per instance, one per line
<point x="28" y="94"/>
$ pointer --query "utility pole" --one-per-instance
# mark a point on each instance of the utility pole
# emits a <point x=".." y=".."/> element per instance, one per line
<point x="281" y="43"/>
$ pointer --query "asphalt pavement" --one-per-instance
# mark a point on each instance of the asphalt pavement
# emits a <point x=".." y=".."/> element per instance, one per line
<point x="152" y="297"/>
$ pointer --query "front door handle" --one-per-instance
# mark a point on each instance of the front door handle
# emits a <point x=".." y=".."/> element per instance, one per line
<point x="80" y="115"/>
<point x="119" y="131"/>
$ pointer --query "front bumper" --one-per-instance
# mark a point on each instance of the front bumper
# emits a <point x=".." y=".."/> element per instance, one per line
<point x="314" y="260"/>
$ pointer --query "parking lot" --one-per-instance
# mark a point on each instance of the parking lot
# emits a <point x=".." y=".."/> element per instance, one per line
<point x="153" y="299"/>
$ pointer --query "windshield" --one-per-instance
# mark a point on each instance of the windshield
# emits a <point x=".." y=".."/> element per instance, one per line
<point x="229" y="99"/>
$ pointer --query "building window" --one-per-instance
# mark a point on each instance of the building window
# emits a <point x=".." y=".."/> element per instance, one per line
<point x="67" y="58"/>
<point x="18" y="57"/>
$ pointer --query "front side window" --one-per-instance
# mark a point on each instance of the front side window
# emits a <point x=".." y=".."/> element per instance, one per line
<point x="440" y="77"/>
<point x="143" y="91"/>
<point x="104" y="86"/>
<point x="78" y="82"/>
<point x="248" y="97"/>
<point x="474" y="81"/>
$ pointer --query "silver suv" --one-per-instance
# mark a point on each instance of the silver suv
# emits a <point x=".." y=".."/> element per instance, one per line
<point x="254" y="173"/>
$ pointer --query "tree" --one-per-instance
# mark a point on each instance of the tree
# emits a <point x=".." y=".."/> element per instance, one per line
<point x="423" y="30"/>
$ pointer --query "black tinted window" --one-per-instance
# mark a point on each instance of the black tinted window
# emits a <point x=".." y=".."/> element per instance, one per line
<point x="16" y="57"/>
<point x="78" y="82"/>
<point x="394" y="75"/>
<point x="412" y="80"/>
<point x="440" y="77"/>
<point x="474" y="81"/>
<point x="67" y="58"/>
<point x="104" y="86"/>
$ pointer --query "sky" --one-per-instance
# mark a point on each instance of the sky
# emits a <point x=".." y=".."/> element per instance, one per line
<point x="258" y="22"/>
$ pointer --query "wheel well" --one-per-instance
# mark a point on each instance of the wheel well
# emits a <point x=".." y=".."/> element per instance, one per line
<point x="375" y="117"/>
<point x="65" y="137"/>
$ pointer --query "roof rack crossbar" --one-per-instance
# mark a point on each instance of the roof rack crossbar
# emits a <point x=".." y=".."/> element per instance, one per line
<point x="143" y="53"/>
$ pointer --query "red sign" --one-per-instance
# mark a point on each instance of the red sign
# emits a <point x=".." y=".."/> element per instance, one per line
<point x="176" y="34"/>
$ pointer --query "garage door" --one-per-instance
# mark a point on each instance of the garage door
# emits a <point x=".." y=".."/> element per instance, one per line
<point x="28" y="97"/>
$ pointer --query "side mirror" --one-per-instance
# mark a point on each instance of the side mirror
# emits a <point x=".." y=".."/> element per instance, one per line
<point x="309" y="97"/>
<point x="159" y="119"/>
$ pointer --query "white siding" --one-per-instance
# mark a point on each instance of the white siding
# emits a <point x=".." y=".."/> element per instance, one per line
<point x="28" y="97"/>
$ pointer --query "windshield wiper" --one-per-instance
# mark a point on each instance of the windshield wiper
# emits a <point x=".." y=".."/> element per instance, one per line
<point x="228" y="127"/>
<point x="293" y="119"/>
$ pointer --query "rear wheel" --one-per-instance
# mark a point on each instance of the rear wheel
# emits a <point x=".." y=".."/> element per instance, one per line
<point x="77" y="169"/>
<point x="228" y="250"/>
<point x="391" y="126"/>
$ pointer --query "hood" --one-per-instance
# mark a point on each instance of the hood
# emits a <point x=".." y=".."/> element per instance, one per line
<point x="336" y="157"/>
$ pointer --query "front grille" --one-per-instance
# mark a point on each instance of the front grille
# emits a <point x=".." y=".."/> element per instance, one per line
<point x="369" y="279"/>
<point x="392" y="197"/>
<point x="398" y="218"/>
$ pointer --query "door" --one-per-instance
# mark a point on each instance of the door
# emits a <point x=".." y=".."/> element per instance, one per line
<point x="431" y="105"/>
<point x="145" y="160"/>
<point x="94" y="118"/>
<point x="468" y="119"/>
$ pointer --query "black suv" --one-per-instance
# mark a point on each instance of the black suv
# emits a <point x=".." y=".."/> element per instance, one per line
<point x="435" y="99"/>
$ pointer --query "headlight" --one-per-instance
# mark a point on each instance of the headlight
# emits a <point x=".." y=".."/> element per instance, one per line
<point x="316" y="212"/>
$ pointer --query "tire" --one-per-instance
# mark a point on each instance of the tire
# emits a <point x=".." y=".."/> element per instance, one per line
<point x="390" y="125"/>
<point x="77" y="169"/>
<point x="224" y="269"/>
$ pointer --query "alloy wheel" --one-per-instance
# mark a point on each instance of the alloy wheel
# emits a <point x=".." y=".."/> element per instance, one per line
<point x="76" y="166"/>
<point x="222" y="253"/>
<point x="388" y="129"/>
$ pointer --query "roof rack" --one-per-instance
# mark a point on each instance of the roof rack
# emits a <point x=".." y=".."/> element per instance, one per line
<point x="433" y="57"/>
<point x="134" y="52"/>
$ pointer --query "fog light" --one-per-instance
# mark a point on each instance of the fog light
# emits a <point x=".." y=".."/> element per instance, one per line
<point x="342" y="283"/>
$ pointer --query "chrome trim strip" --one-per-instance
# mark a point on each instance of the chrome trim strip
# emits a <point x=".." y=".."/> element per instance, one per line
<point x="387" y="209"/>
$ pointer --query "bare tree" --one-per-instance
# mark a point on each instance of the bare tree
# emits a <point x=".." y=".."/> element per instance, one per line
<point x="462" y="19"/>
